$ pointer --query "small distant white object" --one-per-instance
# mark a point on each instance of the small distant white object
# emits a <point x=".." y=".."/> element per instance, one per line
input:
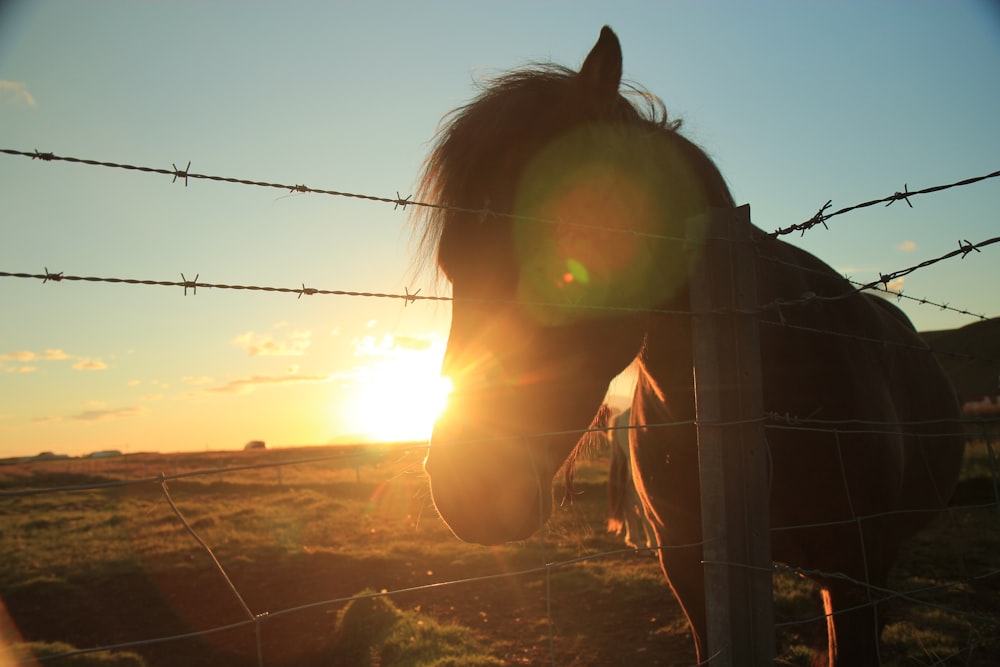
<point x="106" y="454"/>
<point x="255" y="444"/>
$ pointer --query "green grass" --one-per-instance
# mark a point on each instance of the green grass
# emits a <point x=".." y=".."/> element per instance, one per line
<point x="98" y="567"/>
<point x="43" y="650"/>
<point x="373" y="630"/>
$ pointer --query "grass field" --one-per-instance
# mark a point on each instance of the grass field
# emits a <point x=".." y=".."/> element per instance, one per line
<point x="116" y="565"/>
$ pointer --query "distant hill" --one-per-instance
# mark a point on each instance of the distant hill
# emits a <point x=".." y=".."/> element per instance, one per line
<point x="970" y="356"/>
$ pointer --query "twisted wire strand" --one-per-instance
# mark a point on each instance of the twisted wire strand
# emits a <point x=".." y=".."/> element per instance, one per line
<point x="822" y="216"/>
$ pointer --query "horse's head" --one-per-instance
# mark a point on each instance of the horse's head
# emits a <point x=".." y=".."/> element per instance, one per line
<point x="561" y="207"/>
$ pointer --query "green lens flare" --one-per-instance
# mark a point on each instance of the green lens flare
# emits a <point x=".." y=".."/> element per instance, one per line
<point x="577" y="272"/>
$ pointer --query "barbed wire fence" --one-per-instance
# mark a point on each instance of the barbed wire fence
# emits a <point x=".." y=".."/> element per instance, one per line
<point x="983" y="428"/>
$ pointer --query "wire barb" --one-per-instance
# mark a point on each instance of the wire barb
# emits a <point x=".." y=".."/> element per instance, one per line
<point x="401" y="202"/>
<point x="308" y="291"/>
<point x="54" y="277"/>
<point x="178" y="173"/>
<point x="904" y="195"/>
<point x="818" y="219"/>
<point x="967" y="247"/>
<point x="193" y="284"/>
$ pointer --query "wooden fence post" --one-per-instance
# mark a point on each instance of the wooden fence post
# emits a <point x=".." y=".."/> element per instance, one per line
<point x="731" y="448"/>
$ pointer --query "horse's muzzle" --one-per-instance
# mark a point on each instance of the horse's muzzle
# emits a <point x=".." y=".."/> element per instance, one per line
<point x="487" y="492"/>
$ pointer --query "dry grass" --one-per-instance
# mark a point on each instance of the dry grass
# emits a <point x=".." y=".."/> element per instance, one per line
<point x="100" y="566"/>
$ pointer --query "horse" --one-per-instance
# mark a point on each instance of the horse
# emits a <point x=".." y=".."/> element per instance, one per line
<point x="560" y="210"/>
<point x="625" y="514"/>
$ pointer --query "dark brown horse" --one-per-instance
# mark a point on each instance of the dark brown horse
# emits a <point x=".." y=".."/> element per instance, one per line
<point x="563" y="203"/>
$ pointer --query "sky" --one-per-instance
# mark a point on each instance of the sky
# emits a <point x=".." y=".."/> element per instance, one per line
<point x="797" y="102"/>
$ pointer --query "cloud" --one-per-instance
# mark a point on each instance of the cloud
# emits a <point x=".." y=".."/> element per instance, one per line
<point x="391" y="345"/>
<point x="906" y="246"/>
<point x="197" y="381"/>
<point x="896" y="284"/>
<point x="21" y="369"/>
<point x="88" y="364"/>
<point x="104" y="415"/>
<point x="246" y="385"/>
<point x="15" y="94"/>
<point x="894" y="287"/>
<point x="415" y="343"/>
<point x="20" y="355"/>
<point x="25" y="356"/>
<point x="263" y="345"/>
<point x="46" y="420"/>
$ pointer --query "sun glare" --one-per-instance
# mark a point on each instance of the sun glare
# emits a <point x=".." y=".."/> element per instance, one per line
<point x="400" y="395"/>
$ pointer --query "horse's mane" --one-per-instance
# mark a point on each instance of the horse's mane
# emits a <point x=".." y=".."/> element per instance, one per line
<point x="479" y="144"/>
<point x="591" y="442"/>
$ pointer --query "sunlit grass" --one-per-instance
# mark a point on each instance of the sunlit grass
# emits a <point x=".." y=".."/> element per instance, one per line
<point x="326" y="528"/>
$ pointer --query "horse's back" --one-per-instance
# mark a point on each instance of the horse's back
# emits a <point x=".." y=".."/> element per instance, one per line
<point x="852" y="362"/>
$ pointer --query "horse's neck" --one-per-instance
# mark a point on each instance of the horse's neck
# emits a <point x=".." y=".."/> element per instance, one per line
<point x="665" y="365"/>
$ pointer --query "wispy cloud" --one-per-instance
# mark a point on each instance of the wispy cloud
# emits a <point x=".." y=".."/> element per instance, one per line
<point x="20" y="355"/>
<point x="906" y="246"/>
<point x="51" y="354"/>
<point x="28" y="355"/>
<point x="104" y="415"/>
<point x="15" y="94"/>
<point x="263" y="345"/>
<point x="248" y="384"/>
<point x="48" y="419"/>
<point x="88" y="364"/>
<point x="390" y="345"/>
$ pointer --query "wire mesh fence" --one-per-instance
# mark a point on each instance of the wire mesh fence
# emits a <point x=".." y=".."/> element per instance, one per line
<point x="251" y="558"/>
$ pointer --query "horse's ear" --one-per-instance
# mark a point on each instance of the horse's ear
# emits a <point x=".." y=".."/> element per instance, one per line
<point x="601" y="73"/>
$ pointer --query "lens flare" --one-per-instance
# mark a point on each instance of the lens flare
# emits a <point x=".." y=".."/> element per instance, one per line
<point x="576" y="272"/>
<point x="615" y="202"/>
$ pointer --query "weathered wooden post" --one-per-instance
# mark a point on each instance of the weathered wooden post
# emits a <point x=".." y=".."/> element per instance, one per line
<point x="732" y="451"/>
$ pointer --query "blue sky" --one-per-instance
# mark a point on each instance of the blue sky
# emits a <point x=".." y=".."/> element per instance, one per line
<point x="798" y="103"/>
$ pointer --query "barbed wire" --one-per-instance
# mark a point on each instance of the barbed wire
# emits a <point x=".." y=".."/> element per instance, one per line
<point x="194" y="284"/>
<point x="822" y="216"/>
<point x="965" y="247"/>
<point x="882" y="283"/>
<point x="186" y="174"/>
<point x="400" y="202"/>
<point x="919" y="300"/>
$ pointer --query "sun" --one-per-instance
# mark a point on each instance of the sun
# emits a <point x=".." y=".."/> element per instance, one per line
<point x="399" y="396"/>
